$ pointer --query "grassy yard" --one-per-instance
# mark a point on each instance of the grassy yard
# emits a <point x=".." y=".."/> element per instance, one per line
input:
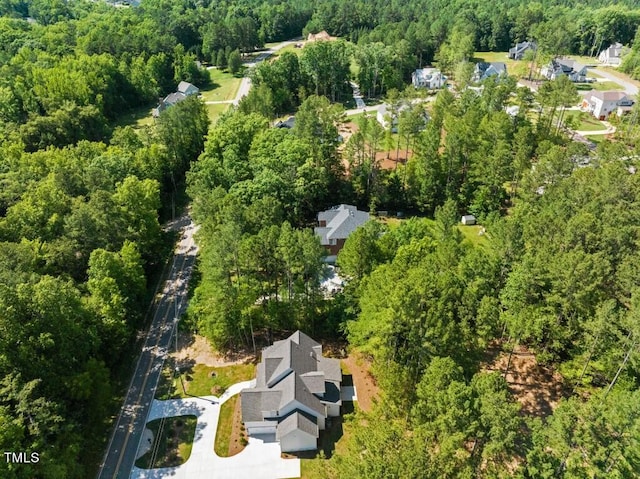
<point x="601" y="86"/>
<point x="231" y="437"/>
<point x="288" y="48"/>
<point x="201" y="380"/>
<point x="514" y="67"/>
<point x="137" y="118"/>
<point x="172" y="442"/>
<point x="223" y="87"/>
<point x="587" y="122"/>
<point x="216" y="110"/>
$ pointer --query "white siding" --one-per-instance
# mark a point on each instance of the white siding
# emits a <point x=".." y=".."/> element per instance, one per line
<point x="298" y="441"/>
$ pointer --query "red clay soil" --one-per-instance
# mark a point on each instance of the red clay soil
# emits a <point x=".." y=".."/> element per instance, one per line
<point x="366" y="388"/>
<point x="389" y="160"/>
<point x="536" y="387"/>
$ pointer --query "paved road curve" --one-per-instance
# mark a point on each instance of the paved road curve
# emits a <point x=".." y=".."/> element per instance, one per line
<point x="171" y="302"/>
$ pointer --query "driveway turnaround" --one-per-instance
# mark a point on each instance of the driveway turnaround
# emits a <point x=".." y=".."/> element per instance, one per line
<point x="260" y="459"/>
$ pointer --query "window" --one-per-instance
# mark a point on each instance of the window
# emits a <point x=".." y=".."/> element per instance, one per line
<point x="332" y="242"/>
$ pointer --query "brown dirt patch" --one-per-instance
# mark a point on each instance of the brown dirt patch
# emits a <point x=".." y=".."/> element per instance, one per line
<point x="389" y="160"/>
<point x="367" y="389"/>
<point x="538" y="388"/>
<point x="197" y="349"/>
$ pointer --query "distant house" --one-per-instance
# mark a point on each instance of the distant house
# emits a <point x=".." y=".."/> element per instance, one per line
<point x="335" y="226"/>
<point x="601" y="104"/>
<point x="611" y="55"/>
<point x="518" y="51"/>
<point x="296" y="389"/>
<point x="484" y="70"/>
<point x="185" y="89"/>
<point x="389" y="119"/>
<point x="571" y="68"/>
<point x="320" y="36"/>
<point x="468" y="220"/>
<point x="289" y="123"/>
<point x="430" y="78"/>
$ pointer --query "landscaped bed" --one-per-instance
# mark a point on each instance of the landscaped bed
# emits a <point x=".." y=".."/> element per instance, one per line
<point x="172" y="442"/>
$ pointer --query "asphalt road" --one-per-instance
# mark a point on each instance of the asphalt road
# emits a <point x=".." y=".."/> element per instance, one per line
<point x="629" y="88"/>
<point x="171" y="302"/>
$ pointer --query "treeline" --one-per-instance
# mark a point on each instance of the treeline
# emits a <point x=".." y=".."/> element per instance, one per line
<point x="79" y="236"/>
<point x="557" y="275"/>
<point x="255" y="189"/>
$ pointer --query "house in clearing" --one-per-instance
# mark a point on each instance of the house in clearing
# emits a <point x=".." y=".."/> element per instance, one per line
<point x="484" y="70"/>
<point x="601" y="104"/>
<point x="519" y="50"/>
<point x="185" y="89"/>
<point x="336" y="224"/>
<point x="611" y="55"/>
<point x="429" y="78"/>
<point x="468" y="220"/>
<point x="563" y="66"/>
<point x="389" y="118"/>
<point x="296" y="389"/>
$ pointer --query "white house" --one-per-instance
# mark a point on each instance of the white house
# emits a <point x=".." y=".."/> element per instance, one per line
<point x="389" y="119"/>
<point x="430" y="78"/>
<point x="468" y="220"/>
<point x="560" y="66"/>
<point x="296" y="389"/>
<point x="611" y="55"/>
<point x="484" y="70"/>
<point x="601" y="104"/>
<point x="518" y="51"/>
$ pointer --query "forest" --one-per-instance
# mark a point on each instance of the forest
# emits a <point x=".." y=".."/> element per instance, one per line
<point x="84" y="195"/>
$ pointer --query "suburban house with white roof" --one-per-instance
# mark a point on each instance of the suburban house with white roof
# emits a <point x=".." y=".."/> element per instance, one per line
<point x="430" y="78"/>
<point x="611" y="55"/>
<point x="336" y="224"/>
<point x="296" y="389"/>
<point x="601" y="104"/>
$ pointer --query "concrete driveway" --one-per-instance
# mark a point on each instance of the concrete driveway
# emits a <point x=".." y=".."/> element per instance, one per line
<point x="260" y="459"/>
<point x="629" y="88"/>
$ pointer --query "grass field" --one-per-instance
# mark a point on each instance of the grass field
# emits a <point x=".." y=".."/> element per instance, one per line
<point x="601" y="86"/>
<point x="216" y="110"/>
<point x="514" y="67"/>
<point x="587" y="122"/>
<point x="137" y="118"/>
<point x="224" y="86"/>
<point x="199" y="381"/>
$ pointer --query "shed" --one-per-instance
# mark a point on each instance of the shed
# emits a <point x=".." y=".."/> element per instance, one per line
<point x="468" y="220"/>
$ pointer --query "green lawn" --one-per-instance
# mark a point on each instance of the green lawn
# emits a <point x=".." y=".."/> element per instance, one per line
<point x="224" y="86"/>
<point x="514" y="67"/>
<point x="288" y="48"/>
<point x="198" y="381"/>
<point x="596" y="138"/>
<point x="587" y="122"/>
<point x="601" y="86"/>
<point x="225" y="427"/>
<point x="137" y="118"/>
<point x="172" y="442"/>
<point x="216" y="110"/>
<point x="623" y="76"/>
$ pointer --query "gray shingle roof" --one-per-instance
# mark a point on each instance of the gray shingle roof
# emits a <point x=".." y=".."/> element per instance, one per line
<point x="292" y="371"/>
<point x="297" y="421"/>
<point x="341" y="221"/>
